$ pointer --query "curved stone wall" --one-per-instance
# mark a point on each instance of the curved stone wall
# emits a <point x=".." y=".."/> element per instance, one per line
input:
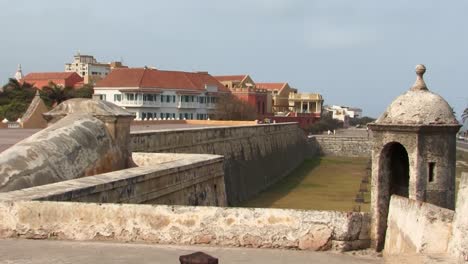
<point x="75" y="146"/>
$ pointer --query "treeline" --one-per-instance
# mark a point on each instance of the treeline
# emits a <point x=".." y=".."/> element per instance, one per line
<point x="15" y="97"/>
<point x="328" y="123"/>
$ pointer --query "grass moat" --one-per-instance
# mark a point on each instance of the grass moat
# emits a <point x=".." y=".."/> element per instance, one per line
<point x="325" y="183"/>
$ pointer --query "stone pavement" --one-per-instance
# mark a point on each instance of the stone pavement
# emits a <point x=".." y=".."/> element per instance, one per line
<point x="52" y="251"/>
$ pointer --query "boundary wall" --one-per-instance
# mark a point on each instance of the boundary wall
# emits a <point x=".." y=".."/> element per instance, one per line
<point x="255" y="156"/>
<point x="239" y="227"/>
<point x="335" y="145"/>
<point x="416" y="227"/>
<point x="183" y="179"/>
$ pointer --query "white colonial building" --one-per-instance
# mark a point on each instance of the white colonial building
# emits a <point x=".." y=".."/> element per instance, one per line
<point x="156" y="94"/>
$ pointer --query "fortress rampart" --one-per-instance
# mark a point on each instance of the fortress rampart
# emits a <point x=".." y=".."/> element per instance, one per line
<point x="254" y="156"/>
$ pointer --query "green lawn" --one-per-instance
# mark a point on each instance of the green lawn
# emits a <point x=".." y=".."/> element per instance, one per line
<point x="326" y="183"/>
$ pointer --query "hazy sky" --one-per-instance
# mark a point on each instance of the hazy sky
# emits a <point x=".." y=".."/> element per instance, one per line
<point x="357" y="53"/>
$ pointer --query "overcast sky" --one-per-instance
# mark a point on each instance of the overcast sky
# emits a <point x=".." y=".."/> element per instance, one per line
<point x="356" y="53"/>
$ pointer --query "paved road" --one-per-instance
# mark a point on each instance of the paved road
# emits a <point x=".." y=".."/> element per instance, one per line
<point x="9" y="137"/>
<point x="462" y="145"/>
<point x="49" y="251"/>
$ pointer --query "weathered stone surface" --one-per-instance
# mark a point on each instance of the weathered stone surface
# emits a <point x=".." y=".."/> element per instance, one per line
<point x="340" y="146"/>
<point x="413" y="154"/>
<point x="256" y="156"/>
<point x="85" y="137"/>
<point x="317" y="239"/>
<point x="185" y="179"/>
<point x="417" y="227"/>
<point x="265" y="228"/>
<point x="76" y="146"/>
<point x="458" y="246"/>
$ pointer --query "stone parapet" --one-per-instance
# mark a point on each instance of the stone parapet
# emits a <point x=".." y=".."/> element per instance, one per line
<point x="185" y="179"/>
<point x="256" y="156"/>
<point x="239" y="227"/>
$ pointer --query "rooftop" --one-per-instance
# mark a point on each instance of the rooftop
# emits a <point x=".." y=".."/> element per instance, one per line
<point x="153" y="78"/>
<point x="48" y="75"/>
<point x="271" y="86"/>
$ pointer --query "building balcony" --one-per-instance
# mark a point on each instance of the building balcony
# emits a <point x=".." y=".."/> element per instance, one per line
<point x="139" y="103"/>
<point x="188" y="105"/>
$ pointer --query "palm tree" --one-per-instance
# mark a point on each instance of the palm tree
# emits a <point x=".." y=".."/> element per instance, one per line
<point x="54" y="94"/>
<point x="14" y="84"/>
<point x="465" y="115"/>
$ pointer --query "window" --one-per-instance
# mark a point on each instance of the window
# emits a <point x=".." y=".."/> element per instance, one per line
<point x="173" y="98"/>
<point x="117" y="97"/>
<point x="130" y="97"/>
<point x="168" y="98"/>
<point x="431" y="167"/>
<point x="102" y="97"/>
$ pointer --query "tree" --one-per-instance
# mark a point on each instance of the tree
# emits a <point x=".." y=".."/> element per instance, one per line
<point x="84" y="92"/>
<point x="229" y="107"/>
<point x="15" y="98"/>
<point x="465" y="115"/>
<point x="363" y="121"/>
<point x="326" y="123"/>
<point x="54" y="94"/>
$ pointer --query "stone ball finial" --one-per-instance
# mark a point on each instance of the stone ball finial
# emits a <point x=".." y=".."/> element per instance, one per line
<point x="419" y="84"/>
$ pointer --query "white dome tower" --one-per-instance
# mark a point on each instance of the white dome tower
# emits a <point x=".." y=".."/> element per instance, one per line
<point x="19" y="73"/>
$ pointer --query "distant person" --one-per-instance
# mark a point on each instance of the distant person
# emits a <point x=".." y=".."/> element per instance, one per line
<point x="334" y="131"/>
<point x="329" y="132"/>
<point x="367" y="129"/>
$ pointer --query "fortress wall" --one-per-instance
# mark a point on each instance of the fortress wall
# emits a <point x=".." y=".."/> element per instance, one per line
<point x="340" y="146"/>
<point x="417" y="227"/>
<point x="238" y="227"/>
<point x="458" y="246"/>
<point x="183" y="179"/>
<point x="76" y="146"/>
<point x="256" y="156"/>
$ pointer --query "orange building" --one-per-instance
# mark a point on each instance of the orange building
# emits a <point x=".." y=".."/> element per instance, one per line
<point x="244" y="88"/>
<point x="64" y="79"/>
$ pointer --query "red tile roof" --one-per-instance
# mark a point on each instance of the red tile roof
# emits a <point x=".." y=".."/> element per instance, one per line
<point x="227" y="78"/>
<point x="48" y="75"/>
<point x="152" y="78"/>
<point x="271" y="86"/>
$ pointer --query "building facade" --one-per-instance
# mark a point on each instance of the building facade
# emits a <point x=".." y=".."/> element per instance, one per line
<point x="157" y="94"/>
<point x="245" y="89"/>
<point x="64" y="79"/>
<point x="305" y="103"/>
<point x="90" y="69"/>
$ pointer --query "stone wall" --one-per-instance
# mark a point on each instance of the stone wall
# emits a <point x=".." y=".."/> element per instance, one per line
<point x="240" y="227"/>
<point x="255" y="156"/>
<point x="458" y="246"/>
<point x="84" y="137"/>
<point x="184" y="179"/>
<point x="340" y="146"/>
<point x="417" y="227"/>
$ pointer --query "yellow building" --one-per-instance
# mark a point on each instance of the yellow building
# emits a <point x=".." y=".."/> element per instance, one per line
<point x="306" y="103"/>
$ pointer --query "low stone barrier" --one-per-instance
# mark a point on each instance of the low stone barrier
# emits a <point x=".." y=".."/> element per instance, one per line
<point x="185" y="179"/>
<point x="417" y="227"/>
<point x="256" y="156"/>
<point x="340" y="146"/>
<point x="239" y="227"/>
